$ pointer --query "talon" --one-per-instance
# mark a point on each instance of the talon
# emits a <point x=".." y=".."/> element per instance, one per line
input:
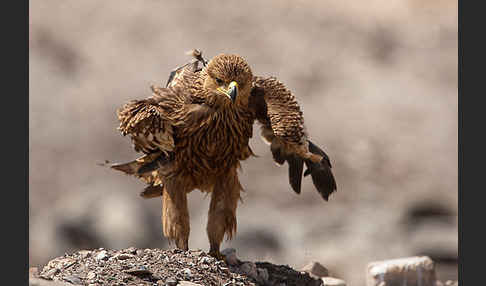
<point x="216" y="254"/>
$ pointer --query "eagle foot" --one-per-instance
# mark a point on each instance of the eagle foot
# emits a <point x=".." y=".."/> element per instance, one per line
<point x="217" y="254"/>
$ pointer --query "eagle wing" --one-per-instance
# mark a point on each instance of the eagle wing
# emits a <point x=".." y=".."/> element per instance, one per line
<point x="150" y="123"/>
<point x="282" y="122"/>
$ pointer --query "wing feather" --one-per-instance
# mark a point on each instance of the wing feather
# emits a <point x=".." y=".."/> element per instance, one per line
<point x="282" y="122"/>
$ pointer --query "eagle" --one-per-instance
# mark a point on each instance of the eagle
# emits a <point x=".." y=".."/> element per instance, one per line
<point x="194" y="132"/>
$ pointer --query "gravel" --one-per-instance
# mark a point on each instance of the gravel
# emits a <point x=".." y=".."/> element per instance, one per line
<point x="153" y="267"/>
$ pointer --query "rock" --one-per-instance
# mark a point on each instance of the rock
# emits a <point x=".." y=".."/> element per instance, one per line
<point x="263" y="275"/>
<point x="249" y="269"/>
<point x="315" y="269"/>
<point x="102" y="255"/>
<point x="139" y="271"/>
<point x="41" y="282"/>
<point x="187" y="273"/>
<point x="91" y="275"/>
<point x="205" y="260"/>
<point x="131" y="250"/>
<point x="230" y="256"/>
<point x="170" y="282"/>
<point x="84" y="253"/>
<point x="123" y="256"/>
<point x="187" y="283"/>
<point x="49" y="274"/>
<point x="330" y="281"/>
<point x="417" y="270"/>
<point x="73" y="279"/>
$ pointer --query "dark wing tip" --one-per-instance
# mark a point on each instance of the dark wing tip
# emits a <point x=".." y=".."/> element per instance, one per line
<point x="296" y="166"/>
<point x="322" y="176"/>
<point x="324" y="181"/>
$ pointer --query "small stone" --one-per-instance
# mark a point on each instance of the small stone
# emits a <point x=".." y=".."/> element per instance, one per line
<point x="49" y="274"/>
<point x="91" y="275"/>
<point x="103" y="255"/>
<point x="84" y="253"/>
<point x="187" y="283"/>
<point x="315" y="269"/>
<point x="124" y="256"/>
<point x="140" y="271"/>
<point x="330" y="281"/>
<point x="205" y="260"/>
<point x="230" y="256"/>
<point x="171" y="282"/>
<point x="250" y="269"/>
<point x="263" y="274"/>
<point x="187" y="273"/>
<point x="73" y="279"/>
<point x="417" y="270"/>
<point x="131" y="250"/>
<point x="139" y="252"/>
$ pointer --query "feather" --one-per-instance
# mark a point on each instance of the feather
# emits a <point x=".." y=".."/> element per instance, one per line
<point x="321" y="173"/>
<point x="152" y="191"/>
<point x="277" y="110"/>
<point x="296" y="166"/>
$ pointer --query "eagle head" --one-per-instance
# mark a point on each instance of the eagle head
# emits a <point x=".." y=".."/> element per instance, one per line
<point x="229" y="76"/>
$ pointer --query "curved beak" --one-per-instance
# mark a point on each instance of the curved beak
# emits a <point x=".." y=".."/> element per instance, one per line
<point x="232" y="91"/>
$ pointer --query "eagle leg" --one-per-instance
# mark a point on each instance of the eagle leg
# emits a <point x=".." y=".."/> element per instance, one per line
<point x="222" y="211"/>
<point x="175" y="215"/>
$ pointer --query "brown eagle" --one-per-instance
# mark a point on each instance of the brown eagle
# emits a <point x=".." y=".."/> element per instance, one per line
<point x="195" y="131"/>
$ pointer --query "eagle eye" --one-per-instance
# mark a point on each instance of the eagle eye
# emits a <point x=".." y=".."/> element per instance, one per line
<point x="219" y="81"/>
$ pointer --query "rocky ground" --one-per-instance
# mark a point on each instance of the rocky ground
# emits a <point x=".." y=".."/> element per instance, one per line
<point x="156" y="267"/>
<point x="134" y="266"/>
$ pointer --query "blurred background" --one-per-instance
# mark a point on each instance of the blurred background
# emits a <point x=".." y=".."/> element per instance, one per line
<point x="377" y="81"/>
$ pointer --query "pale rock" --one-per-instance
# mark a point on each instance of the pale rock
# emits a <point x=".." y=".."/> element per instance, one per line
<point x="187" y="273"/>
<point x="169" y="282"/>
<point x="330" y="281"/>
<point x="187" y="283"/>
<point x="315" y="269"/>
<point x="205" y="260"/>
<point x="91" y="275"/>
<point x="102" y="255"/>
<point x="414" y="271"/>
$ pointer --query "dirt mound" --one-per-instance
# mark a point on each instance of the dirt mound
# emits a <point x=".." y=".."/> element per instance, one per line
<point x="134" y="266"/>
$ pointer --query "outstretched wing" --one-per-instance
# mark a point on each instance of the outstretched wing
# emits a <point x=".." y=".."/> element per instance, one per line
<point x="282" y="121"/>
